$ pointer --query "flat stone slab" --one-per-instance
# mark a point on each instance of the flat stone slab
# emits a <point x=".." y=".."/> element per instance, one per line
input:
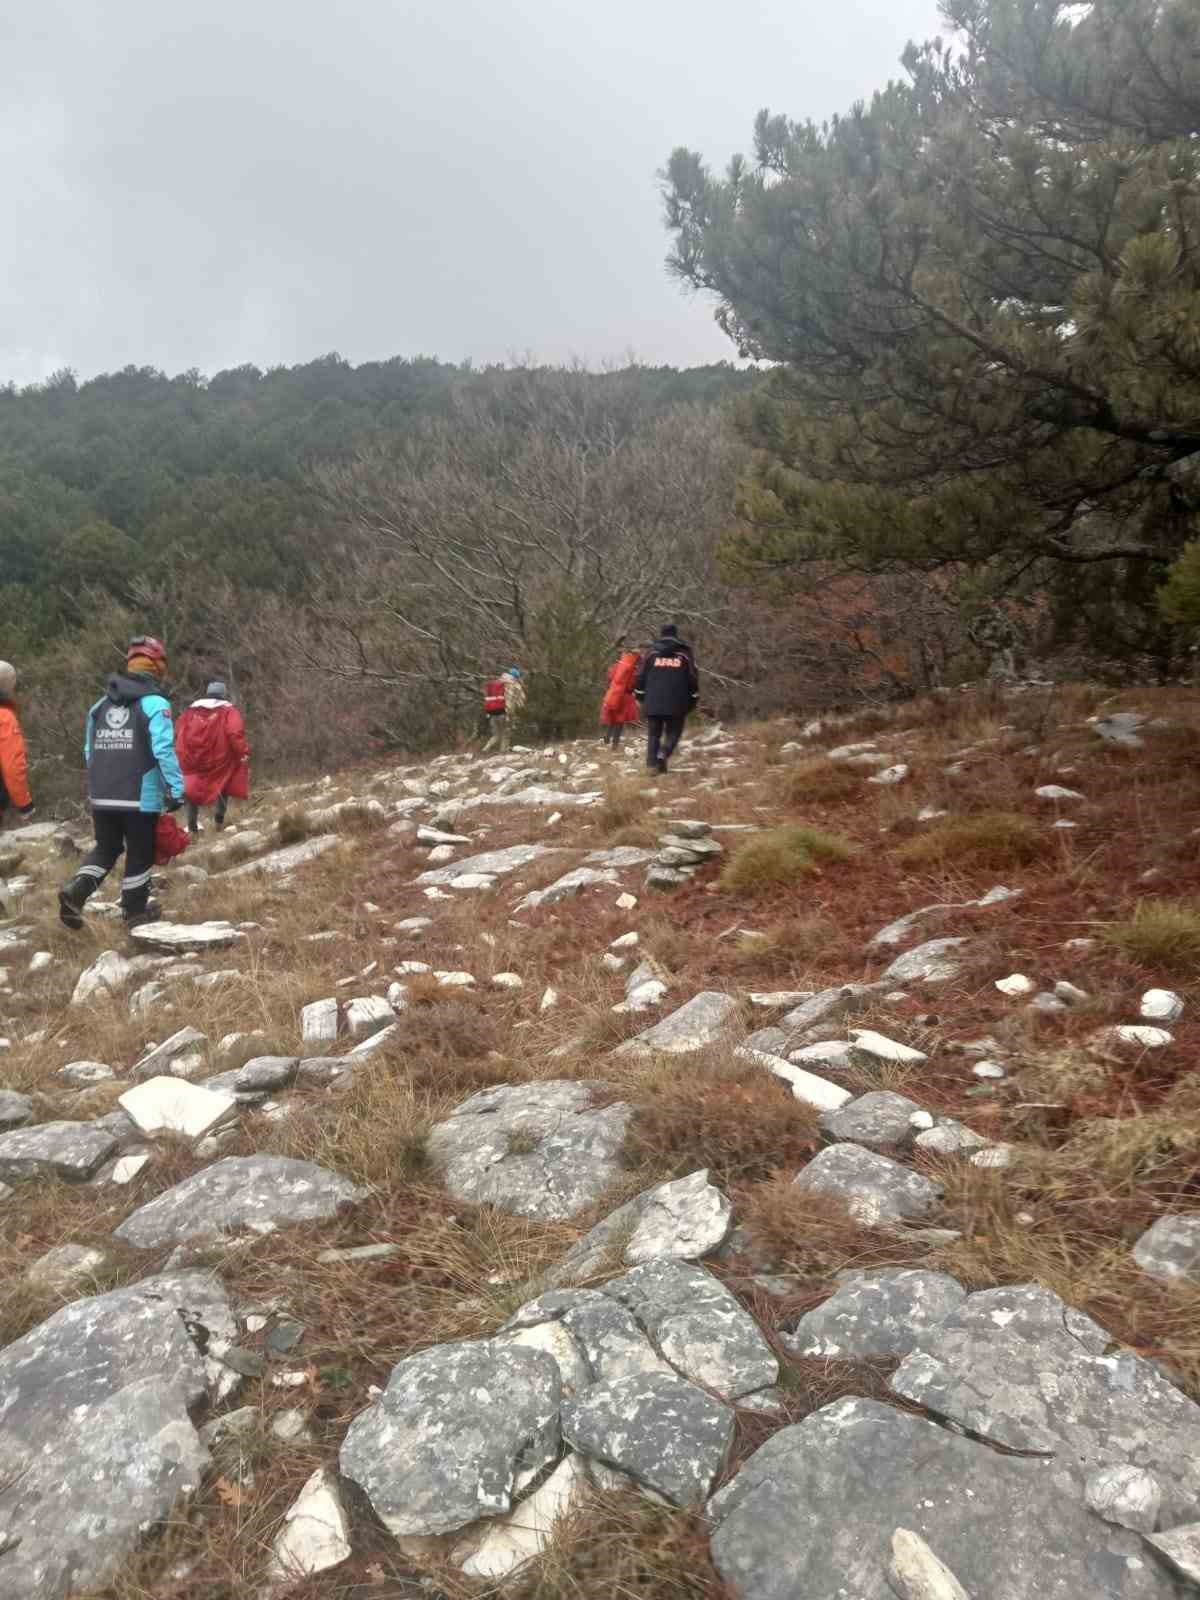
<point x="165" y="1059"/>
<point x="702" y="1329"/>
<point x="814" y="1510"/>
<point x="566" y="887"/>
<point x="316" y="1531"/>
<point x="181" y="936"/>
<point x="931" y="962"/>
<point x="702" y="1021"/>
<point x="879" y="1120"/>
<point x="664" y="1432"/>
<point x="93" y="1348"/>
<point x="1182" y="1549"/>
<point x="1018" y="1367"/>
<point x="241" y="1194"/>
<point x="107" y="975"/>
<point x="681" y="1220"/>
<point x="490" y="863"/>
<point x="876" y="1314"/>
<point x="1169" y="1250"/>
<point x="91" y="1492"/>
<point x="876" y="1191"/>
<point x="172" y="1105"/>
<point x="454" y="1430"/>
<point x="285" y="860"/>
<point x="15" y="1109"/>
<point x="68" y="1150"/>
<point x="537" y="1149"/>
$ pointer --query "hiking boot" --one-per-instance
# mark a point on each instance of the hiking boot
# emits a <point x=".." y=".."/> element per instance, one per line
<point x="70" y="905"/>
<point x="196" y="827"/>
<point x="139" y="919"/>
<point x="662" y="764"/>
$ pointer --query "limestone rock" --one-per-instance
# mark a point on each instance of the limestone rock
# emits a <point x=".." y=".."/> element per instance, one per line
<point x="168" y="1057"/>
<point x="879" y="1120"/>
<point x="241" y="1194"/>
<point x="538" y="1149"/>
<point x="814" y="1510"/>
<point x="1127" y="1496"/>
<point x="1020" y="1368"/>
<point x="665" y="1433"/>
<point x="876" y="1191"/>
<point x="68" y="1150"/>
<point x="829" y="1004"/>
<point x="15" y="1109"/>
<point x="510" y="1542"/>
<point x="286" y="860"/>
<point x="1161" y="1005"/>
<point x="1182" y="1549"/>
<point x="454" y="1430"/>
<point x="1169" y="1250"/>
<point x="701" y="1022"/>
<point x="915" y="1573"/>
<point x="172" y="1105"/>
<point x="319" y="1021"/>
<point x="681" y="1220"/>
<point x="175" y="937"/>
<point x="489" y="864"/>
<point x="569" y="885"/>
<point x="806" y="1086"/>
<point x="108" y="974"/>
<point x="949" y="1138"/>
<point x="316" y="1531"/>
<point x="66" y="1265"/>
<point x="876" y="1314"/>
<point x="366" y="1015"/>
<point x="931" y="962"/>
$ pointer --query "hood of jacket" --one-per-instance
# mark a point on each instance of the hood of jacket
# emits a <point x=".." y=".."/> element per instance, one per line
<point x="671" y="647"/>
<point x="209" y="703"/>
<point x="125" y="688"/>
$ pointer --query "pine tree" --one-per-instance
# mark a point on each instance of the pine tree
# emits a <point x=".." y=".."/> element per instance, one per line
<point x="982" y="293"/>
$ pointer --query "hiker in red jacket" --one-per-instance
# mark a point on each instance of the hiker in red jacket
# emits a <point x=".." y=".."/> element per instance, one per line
<point x="210" y="738"/>
<point x="619" y="707"/>
<point x="14" y="763"/>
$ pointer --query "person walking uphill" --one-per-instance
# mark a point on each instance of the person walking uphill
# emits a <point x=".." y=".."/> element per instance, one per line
<point x="210" y="740"/>
<point x="503" y="701"/>
<point x="133" y="777"/>
<point x="667" y="688"/>
<point x="619" y="707"/>
<point x="14" y="763"/>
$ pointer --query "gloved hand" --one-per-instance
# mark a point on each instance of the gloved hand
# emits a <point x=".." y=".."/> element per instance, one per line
<point x="27" y="811"/>
<point x="173" y="803"/>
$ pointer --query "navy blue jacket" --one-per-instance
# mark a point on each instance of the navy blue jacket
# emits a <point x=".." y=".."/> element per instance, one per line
<point x="667" y="683"/>
<point x="129" y="747"/>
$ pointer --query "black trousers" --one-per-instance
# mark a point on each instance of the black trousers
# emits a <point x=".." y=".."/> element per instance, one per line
<point x="219" y="810"/>
<point x="128" y="833"/>
<point x="612" y="734"/>
<point x="662" y="735"/>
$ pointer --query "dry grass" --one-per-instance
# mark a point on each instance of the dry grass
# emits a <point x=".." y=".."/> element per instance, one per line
<point x="623" y="806"/>
<point x="821" y="782"/>
<point x="782" y="856"/>
<point x="1161" y="934"/>
<point x="995" y="839"/>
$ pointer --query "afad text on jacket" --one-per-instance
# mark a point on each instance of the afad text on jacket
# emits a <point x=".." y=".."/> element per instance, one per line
<point x="668" y="684"/>
<point x="129" y="747"/>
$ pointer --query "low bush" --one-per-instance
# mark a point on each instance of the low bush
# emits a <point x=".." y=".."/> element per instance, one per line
<point x="821" y="782"/>
<point x="1161" y="933"/>
<point x="782" y="855"/>
<point x="989" y="839"/>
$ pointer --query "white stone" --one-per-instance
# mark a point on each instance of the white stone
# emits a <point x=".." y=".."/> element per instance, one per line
<point x="891" y="775"/>
<point x="440" y="854"/>
<point x="1127" y="1495"/>
<point x="1055" y="791"/>
<point x="366" y="1014"/>
<point x="1015" y="984"/>
<point x="282" y="861"/>
<point x="996" y="1156"/>
<point x="1144" y="1037"/>
<point x="455" y="980"/>
<point x="108" y="974"/>
<point x="372" y="1043"/>
<point x="507" y="980"/>
<point x="480" y="881"/>
<point x="172" y="1105"/>
<point x="512" y="1541"/>
<point x="879" y="1047"/>
<point x="988" y="1069"/>
<point x="612" y="963"/>
<point x="316" y="1531"/>
<point x="1070" y="994"/>
<point x="549" y="999"/>
<point x="776" y="999"/>
<point x="126" y="1168"/>
<point x="1161" y="1005"/>
<point x="319" y="1021"/>
<point x="804" y="1085"/>
<point x="626" y="902"/>
<point x="41" y="961"/>
<point x="915" y="1573"/>
<point x="178" y="936"/>
<point x="86" y="1072"/>
<point x="627" y="941"/>
<point x="835" y="1053"/>
<point x="643" y="996"/>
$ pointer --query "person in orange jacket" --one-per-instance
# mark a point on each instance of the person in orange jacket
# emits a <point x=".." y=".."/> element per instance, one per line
<point x="618" y="707"/>
<point x="14" y="763"/>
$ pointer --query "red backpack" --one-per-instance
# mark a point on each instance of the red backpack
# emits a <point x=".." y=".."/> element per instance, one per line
<point x="494" y="698"/>
<point x="170" y="840"/>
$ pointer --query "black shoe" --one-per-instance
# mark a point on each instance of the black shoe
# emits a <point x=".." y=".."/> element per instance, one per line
<point x="70" y="913"/>
<point x="219" y="823"/>
<point x="662" y="764"/>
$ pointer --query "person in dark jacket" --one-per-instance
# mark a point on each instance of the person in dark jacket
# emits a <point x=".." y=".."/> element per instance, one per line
<point x="133" y="777"/>
<point x="667" y="687"/>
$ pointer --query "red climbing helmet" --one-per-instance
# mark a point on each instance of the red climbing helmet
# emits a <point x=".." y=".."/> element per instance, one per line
<point x="147" y="645"/>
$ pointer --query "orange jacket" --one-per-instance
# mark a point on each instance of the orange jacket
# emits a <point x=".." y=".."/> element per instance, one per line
<point x="618" y="705"/>
<point x="14" y="764"/>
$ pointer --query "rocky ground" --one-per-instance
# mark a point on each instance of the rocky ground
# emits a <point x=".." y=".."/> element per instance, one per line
<point x="776" y="1179"/>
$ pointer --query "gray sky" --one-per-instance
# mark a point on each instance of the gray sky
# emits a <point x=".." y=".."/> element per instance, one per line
<point x="208" y="182"/>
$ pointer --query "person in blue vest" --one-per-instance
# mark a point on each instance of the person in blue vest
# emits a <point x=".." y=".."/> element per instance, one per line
<point x="133" y="777"/>
<point x="667" y="688"/>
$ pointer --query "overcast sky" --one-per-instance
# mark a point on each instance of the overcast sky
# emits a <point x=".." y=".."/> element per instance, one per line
<point x="201" y="183"/>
